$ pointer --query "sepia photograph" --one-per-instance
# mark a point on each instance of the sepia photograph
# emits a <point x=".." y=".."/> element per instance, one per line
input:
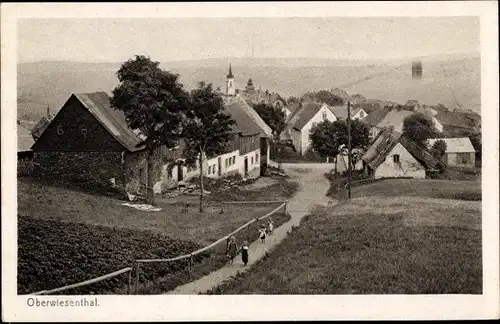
<point x="259" y="155"/>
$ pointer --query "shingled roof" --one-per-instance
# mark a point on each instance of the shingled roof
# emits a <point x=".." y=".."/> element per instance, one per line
<point x="387" y="140"/>
<point x="265" y="130"/>
<point x="304" y="115"/>
<point x="244" y="123"/>
<point x="376" y="116"/>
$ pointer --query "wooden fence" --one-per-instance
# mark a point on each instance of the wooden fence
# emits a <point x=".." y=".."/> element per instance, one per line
<point x="190" y="256"/>
<point x="224" y="239"/>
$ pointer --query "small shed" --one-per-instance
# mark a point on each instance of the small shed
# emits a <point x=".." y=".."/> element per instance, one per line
<point x="459" y="152"/>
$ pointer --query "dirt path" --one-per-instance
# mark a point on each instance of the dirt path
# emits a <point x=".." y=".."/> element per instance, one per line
<point x="312" y="192"/>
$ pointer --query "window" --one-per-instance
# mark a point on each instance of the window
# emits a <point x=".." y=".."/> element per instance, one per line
<point x="60" y="130"/>
<point x="227" y="163"/>
<point x="324" y="115"/>
<point x="234" y="159"/>
<point x="209" y="169"/>
<point x="252" y="160"/>
<point x="213" y="169"/>
<point x="256" y="157"/>
<point x="395" y="157"/>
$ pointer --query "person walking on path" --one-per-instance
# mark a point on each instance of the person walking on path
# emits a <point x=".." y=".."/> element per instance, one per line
<point x="270" y="226"/>
<point x="244" y="253"/>
<point x="262" y="233"/>
<point x="232" y="249"/>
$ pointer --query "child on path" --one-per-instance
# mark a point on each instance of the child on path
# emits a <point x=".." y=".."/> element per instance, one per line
<point x="232" y="249"/>
<point x="262" y="233"/>
<point x="270" y="226"/>
<point x="244" y="253"/>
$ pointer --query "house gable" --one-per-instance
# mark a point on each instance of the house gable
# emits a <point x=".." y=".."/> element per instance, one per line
<point x="399" y="162"/>
<point x="74" y="128"/>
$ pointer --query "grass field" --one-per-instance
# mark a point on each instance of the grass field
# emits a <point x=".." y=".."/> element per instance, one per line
<point x="447" y="189"/>
<point x="380" y="243"/>
<point x="68" y="236"/>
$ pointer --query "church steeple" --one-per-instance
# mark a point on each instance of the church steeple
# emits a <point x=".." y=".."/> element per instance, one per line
<point x="230" y="86"/>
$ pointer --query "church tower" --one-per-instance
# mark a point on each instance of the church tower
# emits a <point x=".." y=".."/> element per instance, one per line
<point x="230" y="87"/>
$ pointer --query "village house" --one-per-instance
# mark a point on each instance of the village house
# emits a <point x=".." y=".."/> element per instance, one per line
<point x="302" y="122"/>
<point x="341" y="112"/>
<point x="393" y="155"/>
<point x="459" y="152"/>
<point x="394" y="119"/>
<point x="374" y="118"/>
<point x="233" y="96"/>
<point x="89" y="141"/>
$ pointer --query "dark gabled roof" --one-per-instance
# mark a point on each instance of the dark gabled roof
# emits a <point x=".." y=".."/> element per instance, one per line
<point x="113" y="120"/>
<point x="376" y="116"/>
<point x="244" y="123"/>
<point x="386" y="140"/>
<point x="304" y="115"/>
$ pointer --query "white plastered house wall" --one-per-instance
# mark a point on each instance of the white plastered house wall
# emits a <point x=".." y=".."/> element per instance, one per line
<point x="407" y="166"/>
<point x="324" y="113"/>
<point x="253" y="159"/>
<point x="360" y="115"/>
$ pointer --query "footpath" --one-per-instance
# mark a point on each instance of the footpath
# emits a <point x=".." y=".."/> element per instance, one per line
<point x="311" y="193"/>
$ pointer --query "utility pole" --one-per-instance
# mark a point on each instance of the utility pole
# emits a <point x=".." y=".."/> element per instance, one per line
<point x="349" y="150"/>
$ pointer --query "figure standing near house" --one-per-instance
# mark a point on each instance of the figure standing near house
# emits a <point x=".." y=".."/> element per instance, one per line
<point x="244" y="253"/>
<point x="262" y="233"/>
<point x="232" y="249"/>
<point x="270" y="226"/>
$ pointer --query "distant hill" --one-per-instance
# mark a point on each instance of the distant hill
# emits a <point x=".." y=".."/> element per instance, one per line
<point x="450" y="80"/>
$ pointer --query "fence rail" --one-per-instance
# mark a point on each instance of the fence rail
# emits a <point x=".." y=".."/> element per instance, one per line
<point x="87" y="282"/>
<point x="189" y="256"/>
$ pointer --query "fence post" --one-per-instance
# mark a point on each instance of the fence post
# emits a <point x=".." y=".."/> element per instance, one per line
<point x="190" y="266"/>
<point x="129" y="282"/>
<point x="136" y="288"/>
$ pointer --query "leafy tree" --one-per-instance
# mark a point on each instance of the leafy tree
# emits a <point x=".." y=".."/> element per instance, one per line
<point x="438" y="149"/>
<point x="207" y="128"/>
<point x="274" y="117"/>
<point x="153" y="101"/>
<point x="331" y="138"/>
<point x="326" y="97"/>
<point x="419" y="128"/>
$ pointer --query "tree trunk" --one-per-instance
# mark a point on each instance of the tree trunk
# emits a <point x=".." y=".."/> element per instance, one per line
<point x="201" y="181"/>
<point x="336" y="165"/>
<point x="149" y="189"/>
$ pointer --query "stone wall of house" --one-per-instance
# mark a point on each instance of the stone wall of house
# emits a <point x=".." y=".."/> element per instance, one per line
<point x="87" y="169"/>
<point x="407" y="166"/>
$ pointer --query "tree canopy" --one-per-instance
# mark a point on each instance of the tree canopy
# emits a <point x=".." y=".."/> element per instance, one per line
<point x="331" y="138"/>
<point x="326" y="97"/>
<point x="438" y="149"/>
<point x="419" y="128"/>
<point x="153" y="102"/>
<point x="274" y="117"/>
<point x="207" y="128"/>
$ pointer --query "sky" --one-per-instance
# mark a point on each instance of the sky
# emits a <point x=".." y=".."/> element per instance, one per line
<point x="179" y="39"/>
